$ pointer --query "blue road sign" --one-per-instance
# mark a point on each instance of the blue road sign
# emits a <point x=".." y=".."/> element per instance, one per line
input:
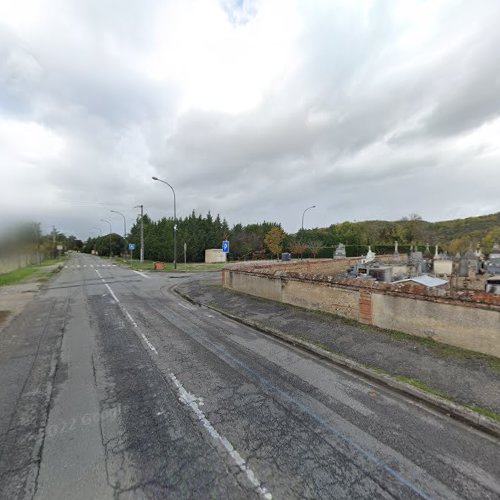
<point x="131" y="246"/>
<point x="225" y="246"/>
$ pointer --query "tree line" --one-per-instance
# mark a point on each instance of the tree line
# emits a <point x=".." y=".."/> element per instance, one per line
<point x="268" y="239"/>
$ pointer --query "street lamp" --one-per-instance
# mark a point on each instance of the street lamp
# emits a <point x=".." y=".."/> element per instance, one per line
<point x="142" y="231"/>
<point x="110" y="231"/>
<point x="124" y="229"/>
<point x="308" y="208"/>
<point x="175" y="220"/>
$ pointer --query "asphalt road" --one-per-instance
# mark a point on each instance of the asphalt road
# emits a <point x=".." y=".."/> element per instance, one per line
<point x="115" y="387"/>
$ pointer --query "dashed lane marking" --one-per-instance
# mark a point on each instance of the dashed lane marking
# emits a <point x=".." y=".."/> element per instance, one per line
<point x="127" y="314"/>
<point x="75" y="266"/>
<point x="149" y="344"/>
<point x="112" y="293"/>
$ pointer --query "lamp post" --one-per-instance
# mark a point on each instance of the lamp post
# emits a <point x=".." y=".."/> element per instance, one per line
<point x="124" y="230"/>
<point x="110" y="231"/>
<point x="100" y="235"/>
<point x="175" y="220"/>
<point x="142" y="231"/>
<point x="308" y="208"/>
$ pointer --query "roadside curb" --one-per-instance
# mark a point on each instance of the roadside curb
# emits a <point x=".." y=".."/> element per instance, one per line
<point x="449" y="408"/>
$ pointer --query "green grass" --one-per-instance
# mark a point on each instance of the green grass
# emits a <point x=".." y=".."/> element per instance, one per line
<point x="191" y="267"/>
<point x="424" y="387"/>
<point x="486" y="413"/>
<point x="17" y="276"/>
<point x="52" y="262"/>
<point x="30" y="274"/>
<point x="421" y="385"/>
<point x="147" y="265"/>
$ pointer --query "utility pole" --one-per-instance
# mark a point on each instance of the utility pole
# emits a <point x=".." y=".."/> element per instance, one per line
<point x="142" y="231"/>
<point x="53" y="242"/>
<point x="36" y="227"/>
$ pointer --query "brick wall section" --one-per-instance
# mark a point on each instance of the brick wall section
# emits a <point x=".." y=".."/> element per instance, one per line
<point x="365" y="307"/>
<point x="465" y="298"/>
<point x="465" y="318"/>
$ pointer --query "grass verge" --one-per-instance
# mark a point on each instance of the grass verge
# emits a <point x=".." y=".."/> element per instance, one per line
<point x="17" y="276"/>
<point x="31" y="273"/>
<point x="426" y="388"/>
<point x="190" y="267"/>
<point x="422" y="386"/>
<point x="486" y="413"/>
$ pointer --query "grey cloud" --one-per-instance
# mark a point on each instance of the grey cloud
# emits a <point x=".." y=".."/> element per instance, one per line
<point x="315" y="138"/>
<point x="473" y="95"/>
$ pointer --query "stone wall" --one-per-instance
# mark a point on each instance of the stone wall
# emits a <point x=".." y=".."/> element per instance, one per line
<point x="214" y="255"/>
<point x="467" y="319"/>
<point x="12" y="262"/>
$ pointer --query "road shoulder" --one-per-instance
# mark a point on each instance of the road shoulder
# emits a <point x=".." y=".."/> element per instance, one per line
<point x="462" y="384"/>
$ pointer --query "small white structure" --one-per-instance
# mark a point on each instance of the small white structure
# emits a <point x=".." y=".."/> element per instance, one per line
<point x="443" y="267"/>
<point x="424" y="280"/>
<point x="214" y="255"/>
<point x="370" y="256"/>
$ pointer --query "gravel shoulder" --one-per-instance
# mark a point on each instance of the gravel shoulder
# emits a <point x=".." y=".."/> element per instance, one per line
<point x="467" y="378"/>
<point x="14" y="298"/>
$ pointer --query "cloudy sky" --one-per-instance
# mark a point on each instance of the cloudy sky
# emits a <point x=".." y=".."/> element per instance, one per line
<point x="254" y="109"/>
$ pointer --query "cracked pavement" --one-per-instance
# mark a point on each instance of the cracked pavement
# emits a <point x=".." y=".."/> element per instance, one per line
<point x="115" y="387"/>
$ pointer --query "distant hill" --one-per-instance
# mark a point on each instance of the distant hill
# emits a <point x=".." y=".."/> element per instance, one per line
<point x="474" y="227"/>
<point x="455" y="235"/>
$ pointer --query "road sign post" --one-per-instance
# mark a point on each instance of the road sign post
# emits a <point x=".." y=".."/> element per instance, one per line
<point x="131" y="247"/>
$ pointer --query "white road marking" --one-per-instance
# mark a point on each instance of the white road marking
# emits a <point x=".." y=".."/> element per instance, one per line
<point x="130" y="317"/>
<point x="112" y="293"/>
<point x="108" y="287"/>
<point x="124" y="310"/>
<point x="189" y="400"/>
<point x="142" y="274"/>
<point x="184" y="306"/>
<point x="150" y="345"/>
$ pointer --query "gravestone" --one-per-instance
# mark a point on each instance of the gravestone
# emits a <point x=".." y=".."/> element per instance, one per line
<point x="340" y="252"/>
